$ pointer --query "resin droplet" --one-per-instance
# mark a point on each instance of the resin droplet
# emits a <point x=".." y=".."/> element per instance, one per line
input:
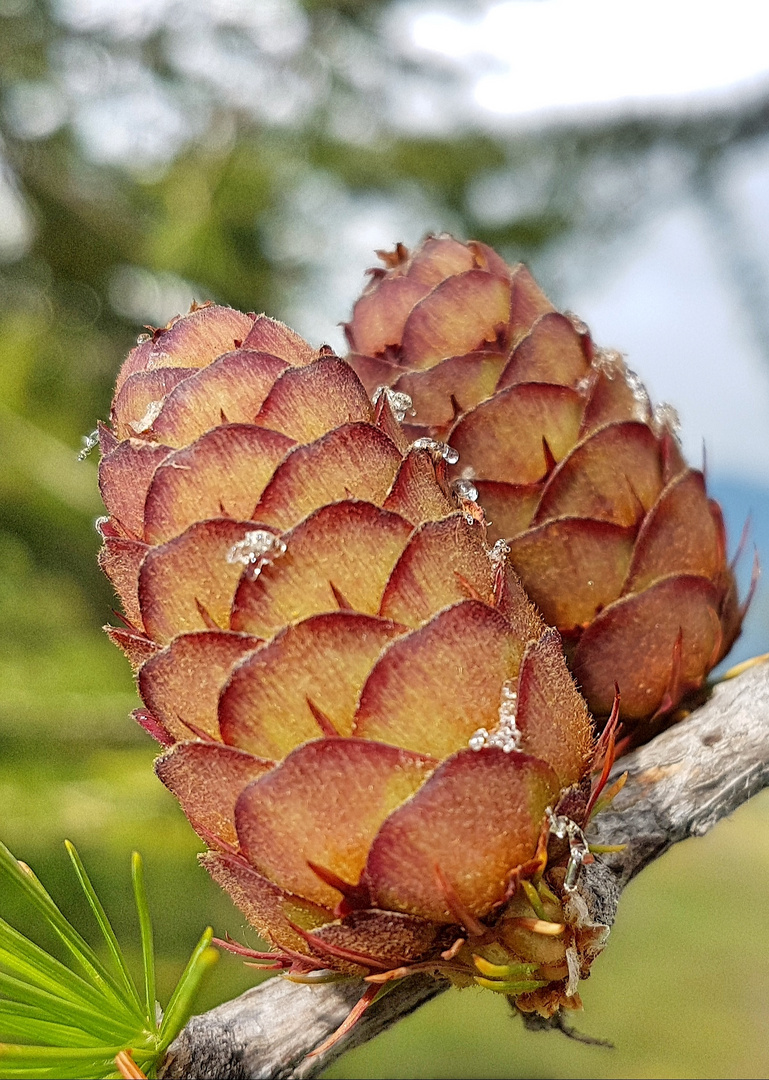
<point x="610" y="362"/>
<point x="157" y="360"/>
<point x="499" y="553"/>
<point x="638" y="390"/>
<point x="579" y="852"/>
<point x="505" y="736"/>
<point x="399" y="402"/>
<point x="89" y="442"/>
<point x="149" y="418"/>
<point x="477" y="740"/>
<point x="579" y="325"/>
<point x="448" y="453"/>
<point x="666" y="418"/>
<point x="465" y="489"/>
<point x="257" y="546"/>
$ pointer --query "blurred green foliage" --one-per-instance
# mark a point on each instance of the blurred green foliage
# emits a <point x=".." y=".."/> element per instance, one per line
<point x="202" y="184"/>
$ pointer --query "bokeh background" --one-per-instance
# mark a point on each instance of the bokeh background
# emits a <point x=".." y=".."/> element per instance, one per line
<point x="256" y="152"/>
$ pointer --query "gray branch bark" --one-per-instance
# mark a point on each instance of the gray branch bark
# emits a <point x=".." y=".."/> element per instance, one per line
<point x="679" y="785"/>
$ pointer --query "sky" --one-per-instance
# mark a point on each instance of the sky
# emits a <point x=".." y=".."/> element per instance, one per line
<point x="670" y="308"/>
<point x="669" y="303"/>
<point x="532" y="56"/>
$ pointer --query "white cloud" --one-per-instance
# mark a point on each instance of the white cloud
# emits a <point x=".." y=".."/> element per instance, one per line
<point x="550" y="54"/>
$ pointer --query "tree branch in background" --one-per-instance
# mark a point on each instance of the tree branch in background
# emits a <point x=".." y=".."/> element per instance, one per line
<point x="679" y="785"/>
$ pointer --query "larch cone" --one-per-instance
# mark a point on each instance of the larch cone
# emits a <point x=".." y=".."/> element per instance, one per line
<point x="362" y="713"/>
<point x="610" y="531"/>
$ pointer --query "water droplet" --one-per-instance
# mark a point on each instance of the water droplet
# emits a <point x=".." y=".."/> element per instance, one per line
<point x="142" y="339"/>
<point x="150" y="416"/>
<point x="400" y="403"/>
<point x="89" y="442"/>
<point x="258" y="546"/>
<point x="465" y="489"/>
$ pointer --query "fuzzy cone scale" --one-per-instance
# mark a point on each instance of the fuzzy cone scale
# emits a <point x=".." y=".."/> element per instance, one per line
<point x="611" y="533"/>
<point x="363" y="714"/>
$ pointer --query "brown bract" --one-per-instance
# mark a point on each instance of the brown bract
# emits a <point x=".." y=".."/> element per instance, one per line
<point x="364" y="716"/>
<point x="611" y="533"/>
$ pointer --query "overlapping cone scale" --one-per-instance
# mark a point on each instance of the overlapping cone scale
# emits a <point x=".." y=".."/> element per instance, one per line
<point x="363" y="714"/>
<point x="611" y="533"/>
